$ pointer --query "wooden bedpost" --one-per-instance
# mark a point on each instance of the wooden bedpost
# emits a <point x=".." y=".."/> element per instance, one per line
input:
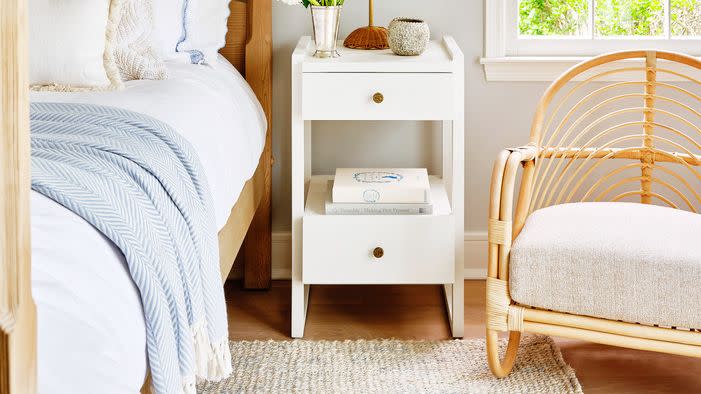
<point x="17" y="311"/>
<point x="259" y="74"/>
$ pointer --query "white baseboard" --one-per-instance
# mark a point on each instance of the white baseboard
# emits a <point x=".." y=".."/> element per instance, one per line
<point x="475" y="273"/>
<point x="475" y="255"/>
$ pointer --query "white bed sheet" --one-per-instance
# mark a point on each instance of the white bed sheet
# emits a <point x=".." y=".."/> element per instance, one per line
<point x="91" y="333"/>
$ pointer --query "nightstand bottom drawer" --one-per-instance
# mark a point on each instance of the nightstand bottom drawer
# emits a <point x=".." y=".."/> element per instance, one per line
<point x="378" y="249"/>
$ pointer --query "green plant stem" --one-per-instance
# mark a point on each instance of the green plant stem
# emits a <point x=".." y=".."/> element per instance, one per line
<point x="323" y="3"/>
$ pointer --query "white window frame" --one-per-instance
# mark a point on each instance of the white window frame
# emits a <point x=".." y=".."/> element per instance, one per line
<point x="509" y="57"/>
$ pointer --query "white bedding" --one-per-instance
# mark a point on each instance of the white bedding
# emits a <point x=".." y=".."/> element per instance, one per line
<point x="91" y="335"/>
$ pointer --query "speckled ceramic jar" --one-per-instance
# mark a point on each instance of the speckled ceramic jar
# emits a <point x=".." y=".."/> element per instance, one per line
<point x="408" y="37"/>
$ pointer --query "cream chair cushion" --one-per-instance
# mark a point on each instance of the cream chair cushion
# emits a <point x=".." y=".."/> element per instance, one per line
<point x="620" y="261"/>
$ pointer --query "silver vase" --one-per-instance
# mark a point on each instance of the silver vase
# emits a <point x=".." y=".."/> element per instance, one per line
<point x="325" y="21"/>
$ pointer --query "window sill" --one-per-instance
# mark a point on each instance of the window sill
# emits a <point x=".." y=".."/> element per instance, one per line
<point x="543" y="69"/>
<point x="522" y="69"/>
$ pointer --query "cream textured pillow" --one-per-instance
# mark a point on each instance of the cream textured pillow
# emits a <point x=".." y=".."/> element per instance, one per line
<point x="71" y="44"/>
<point x="134" y="53"/>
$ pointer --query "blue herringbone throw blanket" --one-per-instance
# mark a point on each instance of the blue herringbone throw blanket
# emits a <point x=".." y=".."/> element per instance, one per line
<point x="141" y="184"/>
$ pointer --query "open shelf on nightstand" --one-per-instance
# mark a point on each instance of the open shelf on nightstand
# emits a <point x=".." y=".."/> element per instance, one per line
<point x="318" y="190"/>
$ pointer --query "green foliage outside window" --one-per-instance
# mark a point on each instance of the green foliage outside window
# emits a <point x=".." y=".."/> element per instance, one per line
<point x="686" y="18"/>
<point x="554" y="17"/>
<point x="611" y="17"/>
<point x="629" y="18"/>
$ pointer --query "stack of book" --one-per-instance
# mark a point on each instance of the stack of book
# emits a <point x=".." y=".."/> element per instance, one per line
<point x="379" y="191"/>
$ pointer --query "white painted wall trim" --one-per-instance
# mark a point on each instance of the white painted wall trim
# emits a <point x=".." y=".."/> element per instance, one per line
<point x="549" y="68"/>
<point x="494" y="31"/>
<point x="521" y="69"/>
<point x="475" y="255"/>
<point x="282" y="255"/>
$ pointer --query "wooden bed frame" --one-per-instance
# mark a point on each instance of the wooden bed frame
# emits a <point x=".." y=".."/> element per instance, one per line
<point x="248" y="48"/>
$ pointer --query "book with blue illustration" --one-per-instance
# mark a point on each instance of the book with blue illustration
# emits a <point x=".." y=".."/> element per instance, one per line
<point x="381" y="186"/>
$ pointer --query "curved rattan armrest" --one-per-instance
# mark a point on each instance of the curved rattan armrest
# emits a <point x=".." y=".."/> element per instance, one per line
<point x="501" y="202"/>
<point x="500" y="237"/>
<point x="526" y="152"/>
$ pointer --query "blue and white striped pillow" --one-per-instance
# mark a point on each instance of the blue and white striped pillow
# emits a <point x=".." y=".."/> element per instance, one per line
<point x="204" y="29"/>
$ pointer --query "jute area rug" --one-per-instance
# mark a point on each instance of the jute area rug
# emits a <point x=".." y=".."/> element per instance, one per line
<point x="391" y="366"/>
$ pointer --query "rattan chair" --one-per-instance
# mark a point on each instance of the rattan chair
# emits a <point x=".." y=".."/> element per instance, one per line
<point x="619" y="127"/>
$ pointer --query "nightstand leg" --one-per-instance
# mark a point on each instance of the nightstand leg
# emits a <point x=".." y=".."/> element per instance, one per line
<point x="454" y="304"/>
<point x="458" y="201"/>
<point x="300" y="298"/>
<point x="448" y="294"/>
<point x="457" y="318"/>
<point x="301" y="175"/>
<point x="453" y="176"/>
<point x="300" y="291"/>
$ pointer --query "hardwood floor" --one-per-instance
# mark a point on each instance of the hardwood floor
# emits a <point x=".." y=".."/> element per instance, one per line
<point x="417" y="312"/>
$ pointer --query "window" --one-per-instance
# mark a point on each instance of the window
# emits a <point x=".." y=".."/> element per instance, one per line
<point x="558" y="33"/>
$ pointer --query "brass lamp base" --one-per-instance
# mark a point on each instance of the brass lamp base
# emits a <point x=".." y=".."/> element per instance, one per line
<point x="369" y="37"/>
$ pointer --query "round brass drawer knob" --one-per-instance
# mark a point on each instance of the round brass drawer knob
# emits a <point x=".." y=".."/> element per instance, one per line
<point x="378" y="98"/>
<point x="378" y="252"/>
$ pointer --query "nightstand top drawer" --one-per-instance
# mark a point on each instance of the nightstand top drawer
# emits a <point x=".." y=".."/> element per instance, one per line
<point x="440" y="57"/>
<point x="378" y="96"/>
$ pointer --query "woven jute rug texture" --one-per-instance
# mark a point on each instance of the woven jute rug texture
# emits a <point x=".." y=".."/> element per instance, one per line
<point x="391" y="366"/>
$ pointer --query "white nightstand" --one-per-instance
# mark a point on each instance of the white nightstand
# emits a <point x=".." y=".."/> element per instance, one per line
<point x="377" y="85"/>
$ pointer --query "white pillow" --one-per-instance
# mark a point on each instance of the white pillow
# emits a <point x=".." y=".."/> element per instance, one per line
<point x="205" y="26"/>
<point x="167" y="27"/>
<point x="71" y="44"/>
<point x="134" y="53"/>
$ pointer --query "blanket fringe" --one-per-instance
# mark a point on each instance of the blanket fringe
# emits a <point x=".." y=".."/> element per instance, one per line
<point x="189" y="385"/>
<point x="212" y="360"/>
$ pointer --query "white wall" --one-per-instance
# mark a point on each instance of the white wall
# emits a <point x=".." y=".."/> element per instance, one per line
<point x="497" y="114"/>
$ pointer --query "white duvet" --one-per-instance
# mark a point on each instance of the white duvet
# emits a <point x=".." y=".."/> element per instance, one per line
<point x="91" y="335"/>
